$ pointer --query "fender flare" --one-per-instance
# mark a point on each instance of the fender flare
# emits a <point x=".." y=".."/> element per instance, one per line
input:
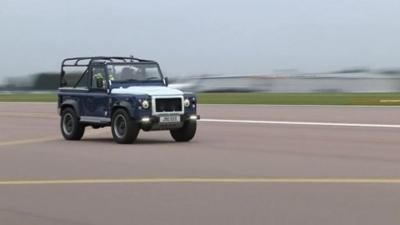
<point x="125" y="105"/>
<point x="70" y="103"/>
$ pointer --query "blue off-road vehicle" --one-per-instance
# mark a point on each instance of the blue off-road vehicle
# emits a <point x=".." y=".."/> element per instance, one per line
<point x="126" y="93"/>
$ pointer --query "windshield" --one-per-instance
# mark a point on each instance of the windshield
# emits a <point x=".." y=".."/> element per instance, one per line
<point x="133" y="72"/>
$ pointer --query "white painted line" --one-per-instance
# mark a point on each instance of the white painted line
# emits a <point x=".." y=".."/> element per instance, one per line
<point x="308" y="106"/>
<point x="303" y="123"/>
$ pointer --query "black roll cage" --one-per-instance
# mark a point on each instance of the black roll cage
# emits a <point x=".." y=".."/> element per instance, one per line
<point x="77" y="62"/>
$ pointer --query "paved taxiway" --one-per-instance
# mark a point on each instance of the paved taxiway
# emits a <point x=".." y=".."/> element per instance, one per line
<point x="233" y="172"/>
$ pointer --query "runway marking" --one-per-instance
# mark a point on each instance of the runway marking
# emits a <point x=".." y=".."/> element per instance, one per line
<point x="48" y="115"/>
<point x="389" y="101"/>
<point x="206" y="180"/>
<point x="299" y="106"/>
<point x="45" y="139"/>
<point x="302" y="123"/>
<point x="29" y="141"/>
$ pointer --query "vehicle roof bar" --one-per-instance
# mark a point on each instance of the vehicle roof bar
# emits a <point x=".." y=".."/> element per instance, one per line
<point x="92" y="59"/>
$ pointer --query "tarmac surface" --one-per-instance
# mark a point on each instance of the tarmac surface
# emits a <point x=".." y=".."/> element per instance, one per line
<point x="246" y="165"/>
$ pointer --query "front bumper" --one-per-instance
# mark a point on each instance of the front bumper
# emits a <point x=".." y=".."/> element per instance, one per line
<point x="153" y="122"/>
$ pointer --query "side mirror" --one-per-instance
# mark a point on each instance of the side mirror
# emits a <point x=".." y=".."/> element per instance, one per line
<point x="166" y="81"/>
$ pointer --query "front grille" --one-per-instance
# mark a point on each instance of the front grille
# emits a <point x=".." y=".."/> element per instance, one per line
<point x="168" y="105"/>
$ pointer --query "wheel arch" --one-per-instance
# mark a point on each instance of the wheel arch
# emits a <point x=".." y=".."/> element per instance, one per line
<point x="71" y="104"/>
<point x="122" y="105"/>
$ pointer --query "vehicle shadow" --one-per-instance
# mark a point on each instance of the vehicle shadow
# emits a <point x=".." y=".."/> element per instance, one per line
<point x="138" y="141"/>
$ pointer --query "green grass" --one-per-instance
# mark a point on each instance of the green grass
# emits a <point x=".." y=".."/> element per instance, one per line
<point x="27" y="97"/>
<point x="300" y="98"/>
<point x="256" y="98"/>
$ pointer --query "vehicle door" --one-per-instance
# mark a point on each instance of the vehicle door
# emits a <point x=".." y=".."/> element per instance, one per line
<point x="96" y="101"/>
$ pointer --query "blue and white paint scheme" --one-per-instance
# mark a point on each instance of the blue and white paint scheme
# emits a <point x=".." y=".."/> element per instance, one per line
<point x="147" y="90"/>
<point x="141" y="98"/>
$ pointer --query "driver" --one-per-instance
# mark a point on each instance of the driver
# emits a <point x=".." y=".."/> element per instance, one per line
<point x="126" y="73"/>
<point x="140" y="74"/>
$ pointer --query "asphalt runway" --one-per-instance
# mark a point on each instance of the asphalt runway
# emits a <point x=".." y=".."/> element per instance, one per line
<point x="246" y="165"/>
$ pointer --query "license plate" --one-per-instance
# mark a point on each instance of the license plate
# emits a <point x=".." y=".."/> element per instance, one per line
<point x="170" y="119"/>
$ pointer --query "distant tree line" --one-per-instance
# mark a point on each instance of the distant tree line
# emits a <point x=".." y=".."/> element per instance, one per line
<point x="46" y="81"/>
<point x="40" y="82"/>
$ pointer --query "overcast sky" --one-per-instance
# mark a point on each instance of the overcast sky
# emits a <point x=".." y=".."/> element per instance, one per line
<point x="203" y="36"/>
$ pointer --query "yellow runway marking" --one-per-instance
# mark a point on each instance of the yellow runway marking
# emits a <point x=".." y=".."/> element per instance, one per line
<point x="29" y="141"/>
<point x="389" y="101"/>
<point x="45" y="139"/>
<point x="207" y="180"/>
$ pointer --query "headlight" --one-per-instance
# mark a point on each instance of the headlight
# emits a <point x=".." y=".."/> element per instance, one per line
<point x="145" y="104"/>
<point x="186" y="103"/>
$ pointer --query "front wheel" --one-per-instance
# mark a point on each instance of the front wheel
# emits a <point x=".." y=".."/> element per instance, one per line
<point x="71" y="129"/>
<point x="185" y="133"/>
<point x="124" y="129"/>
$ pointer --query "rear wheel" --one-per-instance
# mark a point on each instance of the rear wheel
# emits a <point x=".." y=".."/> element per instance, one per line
<point x="124" y="129"/>
<point x="185" y="133"/>
<point x="71" y="129"/>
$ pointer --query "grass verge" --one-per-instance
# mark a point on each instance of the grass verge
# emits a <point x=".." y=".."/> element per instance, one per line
<point x="256" y="98"/>
<point x="302" y="98"/>
<point x="28" y="97"/>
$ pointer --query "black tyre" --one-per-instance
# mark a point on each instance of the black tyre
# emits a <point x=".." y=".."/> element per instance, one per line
<point x="71" y="129"/>
<point x="124" y="129"/>
<point x="186" y="133"/>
